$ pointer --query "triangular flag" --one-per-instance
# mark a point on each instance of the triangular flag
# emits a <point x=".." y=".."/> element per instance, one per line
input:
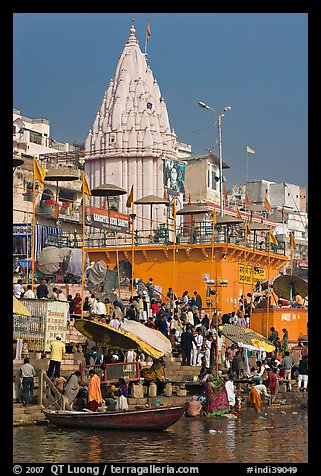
<point x="267" y="205"/>
<point x="225" y="191"/>
<point x="130" y="198"/>
<point x="148" y="31"/>
<point x="238" y="214"/>
<point x="165" y="197"/>
<point x="38" y="172"/>
<point x="174" y="208"/>
<point x="247" y="201"/>
<point x="84" y="186"/>
<point x="292" y="241"/>
<point x="273" y="239"/>
<point x="248" y="149"/>
<point x="247" y="230"/>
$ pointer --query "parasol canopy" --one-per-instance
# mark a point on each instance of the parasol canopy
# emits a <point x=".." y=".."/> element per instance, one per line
<point x="110" y="337"/>
<point x="287" y="285"/>
<point x="227" y="220"/>
<point x="151" y="200"/>
<point x="61" y="175"/>
<point x="151" y="336"/>
<point x="107" y="190"/>
<point x="246" y="337"/>
<point x="19" y="308"/>
<point x="17" y="161"/>
<point x="193" y="210"/>
<point x="256" y="226"/>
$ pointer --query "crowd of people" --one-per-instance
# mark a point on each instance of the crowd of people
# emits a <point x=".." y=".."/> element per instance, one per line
<point x="194" y="336"/>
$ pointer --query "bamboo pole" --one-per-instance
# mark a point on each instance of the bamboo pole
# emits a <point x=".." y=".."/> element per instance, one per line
<point x="83" y="256"/>
<point x="174" y="256"/>
<point x="33" y="232"/>
<point x="133" y="247"/>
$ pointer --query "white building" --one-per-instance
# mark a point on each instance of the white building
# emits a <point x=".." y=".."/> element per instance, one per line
<point x="131" y="136"/>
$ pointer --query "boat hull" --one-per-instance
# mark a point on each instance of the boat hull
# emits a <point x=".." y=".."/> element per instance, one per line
<point x="141" y="420"/>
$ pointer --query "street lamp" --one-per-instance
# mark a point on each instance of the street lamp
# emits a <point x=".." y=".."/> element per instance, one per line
<point x="219" y="126"/>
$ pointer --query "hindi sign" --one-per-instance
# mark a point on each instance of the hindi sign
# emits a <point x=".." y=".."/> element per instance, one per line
<point x="251" y="274"/>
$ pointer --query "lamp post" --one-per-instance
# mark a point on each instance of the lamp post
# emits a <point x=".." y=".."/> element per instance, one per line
<point x="219" y="126"/>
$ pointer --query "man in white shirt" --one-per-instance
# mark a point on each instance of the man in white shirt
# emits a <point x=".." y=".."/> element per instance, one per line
<point x="100" y="308"/>
<point x="29" y="294"/>
<point x="115" y="323"/>
<point x="18" y="289"/>
<point x="199" y="343"/>
<point x="60" y="295"/>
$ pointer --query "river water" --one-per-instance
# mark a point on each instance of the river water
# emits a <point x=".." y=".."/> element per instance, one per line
<point x="272" y="438"/>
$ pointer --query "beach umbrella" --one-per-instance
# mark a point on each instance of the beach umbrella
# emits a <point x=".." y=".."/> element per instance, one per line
<point x="151" y="200"/>
<point x="107" y="190"/>
<point x="287" y="285"/>
<point x="60" y="175"/>
<point x="19" y="308"/>
<point x="228" y="220"/>
<point x="150" y="336"/>
<point x="17" y="161"/>
<point x="244" y="337"/>
<point x="110" y="337"/>
<point x="191" y="209"/>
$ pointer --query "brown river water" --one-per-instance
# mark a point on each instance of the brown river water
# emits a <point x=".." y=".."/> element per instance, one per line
<point x="272" y="438"/>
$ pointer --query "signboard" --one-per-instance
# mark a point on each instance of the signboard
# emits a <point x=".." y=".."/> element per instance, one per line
<point x="56" y="322"/>
<point x="251" y="274"/>
<point x="99" y="218"/>
<point x="174" y="176"/>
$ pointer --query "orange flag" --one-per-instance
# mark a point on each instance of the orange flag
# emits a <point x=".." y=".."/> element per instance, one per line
<point x="238" y="213"/>
<point x="247" y="230"/>
<point x="38" y="172"/>
<point x="267" y="205"/>
<point x="174" y="208"/>
<point x="273" y="239"/>
<point x="247" y="201"/>
<point x="148" y="31"/>
<point x="225" y="192"/>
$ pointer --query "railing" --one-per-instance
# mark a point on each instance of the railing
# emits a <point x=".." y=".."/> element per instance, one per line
<point x="31" y="328"/>
<point x="48" y="395"/>
<point x="111" y="373"/>
<point x="186" y="235"/>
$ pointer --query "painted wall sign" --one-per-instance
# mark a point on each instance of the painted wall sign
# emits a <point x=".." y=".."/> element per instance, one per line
<point x="251" y="274"/>
<point x="99" y="218"/>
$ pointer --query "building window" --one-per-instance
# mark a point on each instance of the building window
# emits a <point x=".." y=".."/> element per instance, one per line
<point x="212" y="178"/>
<point x="35" y="137"/>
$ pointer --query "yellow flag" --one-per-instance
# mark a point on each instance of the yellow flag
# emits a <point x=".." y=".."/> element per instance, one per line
<point x="174" y="208"/>
<point x="84" y="186"/>
<point x="130" y="197"/>
<point x="214" y="217"/>
<point x="247" y="230"/>
<point x="38" y="172"/>
<point x="248" y="149"/>
<point x="292" y="241"/>
<point x="273" y="239"/>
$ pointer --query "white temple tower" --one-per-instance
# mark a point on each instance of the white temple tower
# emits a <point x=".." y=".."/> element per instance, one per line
<point x="131" y="135"/>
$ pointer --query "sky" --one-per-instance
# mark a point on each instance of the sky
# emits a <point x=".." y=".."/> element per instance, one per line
<point x="257" y="63"/>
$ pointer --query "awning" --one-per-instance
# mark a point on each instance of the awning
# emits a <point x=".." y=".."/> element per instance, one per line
<point x="110" y="337"/>
<point x="246" y="337"/>
<point x="19" y="308"/>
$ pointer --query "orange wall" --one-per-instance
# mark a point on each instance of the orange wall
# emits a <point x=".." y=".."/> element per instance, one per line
<point x="294" y="320"/>
<point x="189" y="270"/>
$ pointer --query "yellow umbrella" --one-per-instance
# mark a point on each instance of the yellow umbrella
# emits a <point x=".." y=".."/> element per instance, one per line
<point x="110" y="337"/>
<point x="19" y="308"/>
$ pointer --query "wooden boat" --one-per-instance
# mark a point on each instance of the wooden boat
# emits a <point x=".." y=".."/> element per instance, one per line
<point x="153" y="418"/>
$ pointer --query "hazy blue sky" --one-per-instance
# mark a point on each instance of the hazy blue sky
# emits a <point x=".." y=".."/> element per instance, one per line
<point x="255" y="62"/>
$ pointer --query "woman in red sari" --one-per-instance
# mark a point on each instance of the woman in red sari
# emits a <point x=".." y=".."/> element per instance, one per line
<point x="77" y="300"/>
<point x="216" y="396"/>
<point x="272" y="381"/>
